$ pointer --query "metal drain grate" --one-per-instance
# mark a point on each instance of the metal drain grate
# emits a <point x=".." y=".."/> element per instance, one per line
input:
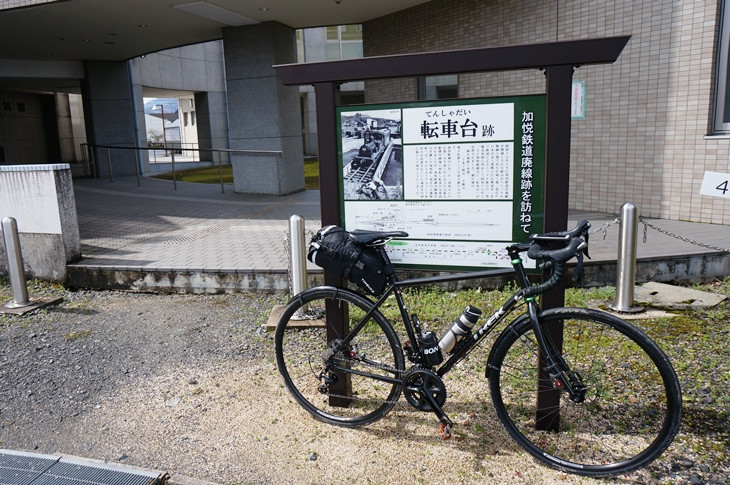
<point x="22" y="468"/>
<point x="18" y="468"/>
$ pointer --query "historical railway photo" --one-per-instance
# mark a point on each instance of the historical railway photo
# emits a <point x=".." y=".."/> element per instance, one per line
<point x="372" y="164"/>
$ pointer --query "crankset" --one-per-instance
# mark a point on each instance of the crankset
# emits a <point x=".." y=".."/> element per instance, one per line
<point x="425" y="391"/>
<point x="422" y="382"/>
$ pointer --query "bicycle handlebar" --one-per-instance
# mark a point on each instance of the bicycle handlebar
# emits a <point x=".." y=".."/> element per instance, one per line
<point x="575" y="244"/>
<point x="561" y="255"/>
<point x="557" y="275"/>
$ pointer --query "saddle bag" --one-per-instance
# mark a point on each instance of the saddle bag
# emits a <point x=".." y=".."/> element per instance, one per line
<point x="333" y="250"/>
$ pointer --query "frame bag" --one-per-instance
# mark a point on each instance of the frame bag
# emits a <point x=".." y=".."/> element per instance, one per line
<point x="333" y="250"/>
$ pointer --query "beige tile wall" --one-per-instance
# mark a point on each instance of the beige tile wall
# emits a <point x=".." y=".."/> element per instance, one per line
<point x="644" y="137"/>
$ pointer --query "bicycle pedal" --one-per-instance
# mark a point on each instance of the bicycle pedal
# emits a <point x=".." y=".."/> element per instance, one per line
<point x="445" y="431"/>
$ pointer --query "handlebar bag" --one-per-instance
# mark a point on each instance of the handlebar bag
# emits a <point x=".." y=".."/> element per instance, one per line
<point x="332" y="250"/>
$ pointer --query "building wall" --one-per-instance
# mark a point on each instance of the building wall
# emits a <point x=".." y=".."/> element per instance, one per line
<point x="197" y="67"/>
<point x="644" y="139"/>
<point x="193" y="71"/>
<point x="188" y="122"/>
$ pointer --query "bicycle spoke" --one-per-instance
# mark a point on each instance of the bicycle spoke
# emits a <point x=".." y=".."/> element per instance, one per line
<point x="342" y="383"/>
<point x="626" y="417"/>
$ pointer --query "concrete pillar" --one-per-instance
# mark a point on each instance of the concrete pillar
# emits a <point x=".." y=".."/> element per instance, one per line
<point x="110" y="114"/>
<point x="212" y="122"/>
<point x="263" y="114"/>
<point x="65" y="128"/>
<point x="315" y="41"/>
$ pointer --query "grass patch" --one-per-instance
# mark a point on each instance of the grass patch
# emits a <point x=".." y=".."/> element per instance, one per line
<point x="202" y="175"/>
<point x="311" y="174"/>
<point x="212" y="175"/>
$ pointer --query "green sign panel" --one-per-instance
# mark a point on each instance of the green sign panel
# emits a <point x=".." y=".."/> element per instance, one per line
<point x="463" y="177"/>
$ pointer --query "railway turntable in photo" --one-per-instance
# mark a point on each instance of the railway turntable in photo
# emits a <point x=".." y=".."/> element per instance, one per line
<point x="364" y="176"/>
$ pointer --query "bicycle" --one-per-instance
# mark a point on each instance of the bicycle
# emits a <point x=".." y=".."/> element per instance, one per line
<point x="610" y="400"/>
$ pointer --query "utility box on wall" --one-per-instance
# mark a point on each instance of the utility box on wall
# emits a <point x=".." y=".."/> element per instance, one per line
<point x="41" y="199"/>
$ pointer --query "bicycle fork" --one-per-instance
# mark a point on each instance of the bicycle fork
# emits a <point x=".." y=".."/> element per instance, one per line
<point x="562" y="377"/>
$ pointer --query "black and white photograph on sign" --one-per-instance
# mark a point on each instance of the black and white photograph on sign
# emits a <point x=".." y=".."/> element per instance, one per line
<point x="372" y="155"/>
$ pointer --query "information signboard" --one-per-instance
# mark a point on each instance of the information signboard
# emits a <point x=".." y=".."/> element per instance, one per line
<point x="463" y="177"/>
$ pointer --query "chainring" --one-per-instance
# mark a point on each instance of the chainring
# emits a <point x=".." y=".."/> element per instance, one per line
<point x="417" y="383"/>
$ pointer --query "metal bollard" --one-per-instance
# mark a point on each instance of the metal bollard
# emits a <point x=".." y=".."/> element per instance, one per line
<point x="15" y="264"/>
<point x="626" y="262"/>
<point x="297" y="249"/>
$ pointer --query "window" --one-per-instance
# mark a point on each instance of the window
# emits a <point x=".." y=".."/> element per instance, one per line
<point x="438" y="87"/>
<point x="300" y="45"/>
<point x="343" y="42"/>
<point x="192" y="118"/>
<point x="721" y="122"/>
<point x="185" y="118"/>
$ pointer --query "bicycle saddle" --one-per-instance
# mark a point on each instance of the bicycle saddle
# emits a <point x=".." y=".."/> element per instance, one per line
<point x="375" y="238"/>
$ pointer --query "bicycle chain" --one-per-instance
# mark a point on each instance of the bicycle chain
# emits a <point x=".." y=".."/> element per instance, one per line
<point x="384" y="367"/>
<point x="354" y="398"/>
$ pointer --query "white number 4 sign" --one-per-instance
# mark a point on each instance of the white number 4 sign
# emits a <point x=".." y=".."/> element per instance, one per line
<point x="716" y="184"/>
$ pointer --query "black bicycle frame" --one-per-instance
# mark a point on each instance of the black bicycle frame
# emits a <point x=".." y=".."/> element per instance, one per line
<point x="413" y="328"/>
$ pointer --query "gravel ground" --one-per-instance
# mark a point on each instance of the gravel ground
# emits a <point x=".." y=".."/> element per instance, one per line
<point x="187" y="384"/>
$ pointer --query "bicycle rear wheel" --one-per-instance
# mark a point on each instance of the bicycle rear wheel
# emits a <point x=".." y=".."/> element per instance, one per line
<point x="632" y="407"/>
<point x="350" y="387"/>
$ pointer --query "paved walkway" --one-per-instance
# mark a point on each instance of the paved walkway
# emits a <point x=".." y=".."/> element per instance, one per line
<point x="196" y="229"/>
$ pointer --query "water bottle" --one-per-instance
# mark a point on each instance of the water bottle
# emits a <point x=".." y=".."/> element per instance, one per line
<point x="462" y="327"/>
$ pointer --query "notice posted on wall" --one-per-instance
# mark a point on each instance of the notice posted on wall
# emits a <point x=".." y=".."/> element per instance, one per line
<point x="716" y="184"/>
<point x="464" y="178"/>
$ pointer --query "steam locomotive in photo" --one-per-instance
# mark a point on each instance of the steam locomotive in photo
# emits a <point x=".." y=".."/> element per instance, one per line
<point x="374" y="144"/>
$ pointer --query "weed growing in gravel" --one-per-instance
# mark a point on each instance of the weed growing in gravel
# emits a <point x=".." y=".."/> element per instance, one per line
<point x="77" y="335"/>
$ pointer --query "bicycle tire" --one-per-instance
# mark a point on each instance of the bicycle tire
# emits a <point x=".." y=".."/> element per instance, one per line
<point x="632" y="409"/>
<point x="302" y="354"/>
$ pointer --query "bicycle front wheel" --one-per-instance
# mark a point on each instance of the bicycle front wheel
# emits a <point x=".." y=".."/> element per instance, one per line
<point x="631" y="411"/>
<point x="348" y="385"/>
